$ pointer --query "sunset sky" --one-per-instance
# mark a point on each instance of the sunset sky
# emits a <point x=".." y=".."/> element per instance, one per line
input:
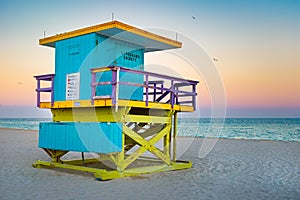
<point x="256" y="43"/>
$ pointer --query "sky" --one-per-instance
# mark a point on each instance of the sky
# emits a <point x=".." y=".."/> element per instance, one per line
<point x="256" y="43"/>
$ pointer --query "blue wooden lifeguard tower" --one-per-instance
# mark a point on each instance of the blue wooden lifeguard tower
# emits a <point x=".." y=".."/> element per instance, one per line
<point x="102" y="101"/>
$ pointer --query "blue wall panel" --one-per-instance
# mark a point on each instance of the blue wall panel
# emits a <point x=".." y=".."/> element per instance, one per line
<point x="80" y="54"/>
<point x="123" y="54"/>
<point x="69" y="55"/>
<point x="81" y="137"/>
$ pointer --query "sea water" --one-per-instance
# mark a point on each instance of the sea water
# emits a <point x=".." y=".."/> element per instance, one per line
<point x="280" y="129"/>
<point x="22" y="123"/>
<point x="232" y="128"/>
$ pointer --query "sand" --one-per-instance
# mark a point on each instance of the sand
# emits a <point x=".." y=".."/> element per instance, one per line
<point x="234" y="169"/>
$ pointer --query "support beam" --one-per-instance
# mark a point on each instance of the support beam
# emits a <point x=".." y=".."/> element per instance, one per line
<point x="102" y="174"/>
<point x="55" y="154"/>
<point x="174" y="136"/>
<point x="145" y="145"/>
<point x="147" y="119"/>
<point x="121" y="155"/>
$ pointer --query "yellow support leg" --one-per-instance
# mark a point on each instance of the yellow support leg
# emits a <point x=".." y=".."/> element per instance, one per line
<point x="167" y="144"/>
<point x="120" y="155"/>
<point x="55" y="154"/>
<point x="174" y="136"/>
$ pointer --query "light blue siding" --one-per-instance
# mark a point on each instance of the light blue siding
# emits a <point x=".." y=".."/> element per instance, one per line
<point x="81" y="137"/>
<point x="80" y="54"/>
<point x="127" y="55"/>
<point x="132" y="57"/>
<point x="69" y="56"/>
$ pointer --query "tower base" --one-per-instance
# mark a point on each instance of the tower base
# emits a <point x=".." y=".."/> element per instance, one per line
<point x="106" y="174"/>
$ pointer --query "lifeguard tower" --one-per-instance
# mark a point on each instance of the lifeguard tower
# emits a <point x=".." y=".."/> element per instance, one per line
<point x="102" y="101"/>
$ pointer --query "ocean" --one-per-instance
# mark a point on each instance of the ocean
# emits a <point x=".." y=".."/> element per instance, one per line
<point x="22" y="123"/>
<point x="279" y="129"/>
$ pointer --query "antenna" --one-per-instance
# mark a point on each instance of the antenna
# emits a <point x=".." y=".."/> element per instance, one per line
<point x="44" y="34"/>
<point x="112" y="16"/>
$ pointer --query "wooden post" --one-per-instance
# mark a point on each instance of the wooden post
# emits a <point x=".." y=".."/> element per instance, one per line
<point x="174" y="136"/>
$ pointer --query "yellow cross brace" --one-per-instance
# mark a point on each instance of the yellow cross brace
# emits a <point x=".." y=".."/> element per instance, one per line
<point x="146" y="145"/>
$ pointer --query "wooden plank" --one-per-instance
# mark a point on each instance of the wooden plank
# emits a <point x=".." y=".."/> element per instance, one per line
<point x="121" y="103"/>
<point x="147" y="119"/>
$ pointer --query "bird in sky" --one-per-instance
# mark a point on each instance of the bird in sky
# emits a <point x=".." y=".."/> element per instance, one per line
<point x="193" y="17"/>
<point x="215" y="59"/>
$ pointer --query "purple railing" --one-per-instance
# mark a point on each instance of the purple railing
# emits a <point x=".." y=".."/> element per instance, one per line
<point x="46" y="77"/>
<point x="157" y="83"/>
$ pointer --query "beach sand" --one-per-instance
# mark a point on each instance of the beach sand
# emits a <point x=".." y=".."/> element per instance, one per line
<point x="234" y="169"/>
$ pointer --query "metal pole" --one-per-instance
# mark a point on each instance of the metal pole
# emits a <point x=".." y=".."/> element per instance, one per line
<point x="82" y="157"/>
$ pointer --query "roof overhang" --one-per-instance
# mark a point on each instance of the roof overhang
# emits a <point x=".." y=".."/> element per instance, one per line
<point x="121" y="31"/>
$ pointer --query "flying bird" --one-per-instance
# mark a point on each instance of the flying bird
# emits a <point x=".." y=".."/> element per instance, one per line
<point x="215" y="59"/>
<point x="193" y="17"/>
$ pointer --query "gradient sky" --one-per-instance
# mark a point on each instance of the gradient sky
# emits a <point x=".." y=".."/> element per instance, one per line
<point x="257" y="44"/>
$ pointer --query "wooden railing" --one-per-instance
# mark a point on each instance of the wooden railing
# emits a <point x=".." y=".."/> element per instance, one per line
<point x="158" y="87"/>
<point x="45" y="77"/>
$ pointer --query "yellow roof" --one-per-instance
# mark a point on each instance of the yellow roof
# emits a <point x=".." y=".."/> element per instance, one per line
<point x="121" y="31"/>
